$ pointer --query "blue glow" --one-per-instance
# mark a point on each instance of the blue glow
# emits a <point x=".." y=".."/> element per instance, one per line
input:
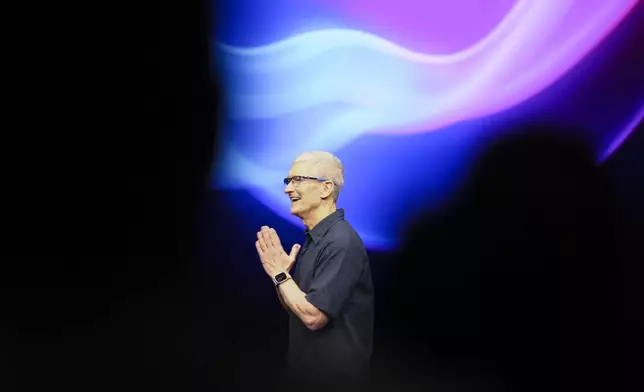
<point x="405" y="123"/>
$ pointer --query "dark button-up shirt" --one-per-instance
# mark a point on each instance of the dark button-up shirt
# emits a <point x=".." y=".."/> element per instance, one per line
<point x="333" y="270"/>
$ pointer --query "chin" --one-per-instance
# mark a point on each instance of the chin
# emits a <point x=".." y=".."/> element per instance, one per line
<point x="296" y="211"/>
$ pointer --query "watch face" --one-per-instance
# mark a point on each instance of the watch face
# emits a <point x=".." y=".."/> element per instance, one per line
<point x="280" y="277"/>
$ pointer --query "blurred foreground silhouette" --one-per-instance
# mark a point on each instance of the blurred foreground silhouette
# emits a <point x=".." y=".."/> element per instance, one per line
<point x="516" y="284"/>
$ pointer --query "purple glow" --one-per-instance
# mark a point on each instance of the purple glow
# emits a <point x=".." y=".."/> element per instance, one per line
<point x="428" y="26"/>
<point x="404" y="67"/>
<point x="637" y="120"/>
<point x="536" y="43"/>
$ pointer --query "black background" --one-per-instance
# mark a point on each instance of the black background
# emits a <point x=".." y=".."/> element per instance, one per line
<point x="120" y="267"/>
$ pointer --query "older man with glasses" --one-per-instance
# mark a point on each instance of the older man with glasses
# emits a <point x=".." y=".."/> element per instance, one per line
<point x="329" y="295"/>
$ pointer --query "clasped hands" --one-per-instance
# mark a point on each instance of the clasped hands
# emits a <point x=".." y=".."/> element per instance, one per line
<point x="271" y="253"/>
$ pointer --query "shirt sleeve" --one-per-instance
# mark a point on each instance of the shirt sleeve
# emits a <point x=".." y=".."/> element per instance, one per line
<point x="334" y="279"/>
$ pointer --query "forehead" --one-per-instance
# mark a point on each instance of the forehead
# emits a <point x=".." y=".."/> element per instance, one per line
<point x="303" y="168"/>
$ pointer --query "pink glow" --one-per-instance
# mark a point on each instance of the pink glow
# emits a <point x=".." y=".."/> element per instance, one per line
<point x="535" y="44"/>
<point x="431" y="26"/>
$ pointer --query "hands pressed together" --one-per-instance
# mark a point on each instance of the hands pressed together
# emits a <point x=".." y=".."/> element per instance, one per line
<point x="271" y="253"/>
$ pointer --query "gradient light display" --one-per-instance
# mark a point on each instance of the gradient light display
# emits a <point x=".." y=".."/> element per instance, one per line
<point x="384" y="84"/>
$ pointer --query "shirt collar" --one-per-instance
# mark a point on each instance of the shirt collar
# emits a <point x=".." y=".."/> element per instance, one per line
<point x="324" y="225"/>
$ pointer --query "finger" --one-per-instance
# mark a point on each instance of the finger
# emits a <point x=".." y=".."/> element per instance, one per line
<point x="266" y="236"/>
<point x="260" y="240"/>
<point x="260" y="252"/>
<point x="275" y="238"/>
<point x="294" y="251"/>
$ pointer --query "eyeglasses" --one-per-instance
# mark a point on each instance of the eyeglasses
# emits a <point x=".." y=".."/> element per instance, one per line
<point x="298" y="179"/>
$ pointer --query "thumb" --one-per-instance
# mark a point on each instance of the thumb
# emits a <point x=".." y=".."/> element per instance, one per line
<point x="294" y="251"/>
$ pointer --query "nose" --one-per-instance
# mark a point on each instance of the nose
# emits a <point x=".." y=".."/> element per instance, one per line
<point x="289" y="188"/>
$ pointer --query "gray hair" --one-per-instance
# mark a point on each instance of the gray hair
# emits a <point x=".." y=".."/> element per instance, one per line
<point x="328" y="166"/>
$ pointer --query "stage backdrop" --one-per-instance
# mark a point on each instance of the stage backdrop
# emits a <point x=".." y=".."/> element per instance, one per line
<point x="405" y="91"/>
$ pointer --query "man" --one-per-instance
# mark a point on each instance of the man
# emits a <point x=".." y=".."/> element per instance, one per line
<point x="329" y="296"/>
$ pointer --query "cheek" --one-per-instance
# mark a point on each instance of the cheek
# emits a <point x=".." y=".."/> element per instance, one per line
<point x="309" y="195"/>
<point x="305" y="202"/>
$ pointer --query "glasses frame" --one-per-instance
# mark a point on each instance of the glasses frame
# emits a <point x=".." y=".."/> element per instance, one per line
<point x="299" y="179"/>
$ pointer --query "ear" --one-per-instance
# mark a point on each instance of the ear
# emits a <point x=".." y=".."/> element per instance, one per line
<point x="327" y="189"/>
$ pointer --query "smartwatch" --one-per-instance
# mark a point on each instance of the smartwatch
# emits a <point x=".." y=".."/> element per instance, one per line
<point x="281" y="278"/>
